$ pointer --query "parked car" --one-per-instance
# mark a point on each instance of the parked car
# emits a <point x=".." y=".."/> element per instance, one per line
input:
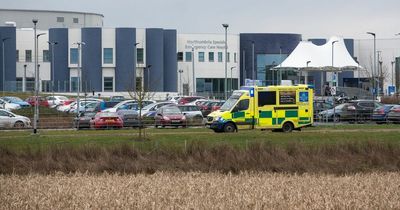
<point x="354" y="111"/>
<point x="217" y="106"/>
<point x="380" y="114"/>
<point x="207" y="107"/>
<point x="106" y="120"/>
<point x="117" y="98"/>
<point x="394" y="114"/>
<point x="11" y="120"/>
<point x="83" y="106"/>
<point x="100" y="106"/>
<point x="42" y="101"/>
<point x="16" y="100"/>
<point x="188" y="99"/>
<point x="122" y="103"/>
<point x="67" y="108"/>
<point x="169" y="116"/>
<point x="320" y="106"/>
<point x="130" y="118"/>
<point x="175" y="99"/>
<point x="8" y="106"/>
<point x="84" y="120"/>
<point x="197" y="102"/>
<point x="57" y="100"/>
<point x="154" y="107"/>
<point x="192" y="113"/>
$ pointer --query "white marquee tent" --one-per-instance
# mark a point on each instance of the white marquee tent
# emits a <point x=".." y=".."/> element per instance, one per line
<point x="310" y="57"/>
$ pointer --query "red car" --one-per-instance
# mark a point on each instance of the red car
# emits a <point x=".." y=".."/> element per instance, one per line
<point x="42" y="101"/>
<point x="169" y="116"/>
<point x="106" y="120"/>
<point x="217" y="106"/>
<point x="188" y="99"/>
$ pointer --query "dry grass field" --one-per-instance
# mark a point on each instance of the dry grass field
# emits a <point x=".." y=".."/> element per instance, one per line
<point x="200" y="191"/>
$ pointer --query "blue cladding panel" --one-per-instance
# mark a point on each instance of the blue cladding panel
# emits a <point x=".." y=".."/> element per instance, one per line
<point x="9" y="57"/>
<point x="125" y="72"/>
<point x="155" y="58"/>
<point x="347" y="74"/>
<point x="91" y="60"/>
<point x="61" y="70"/>
<point x="264" y="44"/>
<point x="170" y="61"/>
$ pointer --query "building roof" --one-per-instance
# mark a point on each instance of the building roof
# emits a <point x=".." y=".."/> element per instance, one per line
<point x="29" y="10"/>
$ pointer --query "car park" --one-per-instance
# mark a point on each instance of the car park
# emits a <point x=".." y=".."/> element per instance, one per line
<point x="16" y="100"/>
<point x="192" y="113"/>
<point x="353" y="111"/>
<point x="169" y="116"/>
<point x="380" y="114"/>
<point x="83" y="121"/>
<point x="394" y="114"/>
<point x="104" y="120"/>
<point x="8" y="106"/>
<point x="11" y="120"/>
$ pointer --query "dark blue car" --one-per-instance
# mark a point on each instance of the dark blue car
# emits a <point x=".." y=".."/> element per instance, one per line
<point x="380" y="114"/>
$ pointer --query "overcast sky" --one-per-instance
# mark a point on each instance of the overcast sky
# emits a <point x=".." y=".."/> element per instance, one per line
<point x="311" y="18"/>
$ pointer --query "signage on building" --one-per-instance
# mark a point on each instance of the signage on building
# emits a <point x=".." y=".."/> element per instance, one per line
<point x="391" y="90"/>
<point x="205" y="44"/>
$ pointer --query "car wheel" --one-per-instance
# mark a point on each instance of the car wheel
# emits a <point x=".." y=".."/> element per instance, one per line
<point x="198" y="120"/>
<point x="19" y="124"/>
<point x="229" y="128"/>
<point x="287" y="127"/>
<point x="336" y="119"/>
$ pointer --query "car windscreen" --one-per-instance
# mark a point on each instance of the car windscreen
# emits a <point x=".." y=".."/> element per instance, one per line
<point x="171" y="110"/>
<point x="231" y="102"/>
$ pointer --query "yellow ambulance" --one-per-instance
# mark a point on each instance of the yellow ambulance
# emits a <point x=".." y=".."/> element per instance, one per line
<point x="283" y="108"/>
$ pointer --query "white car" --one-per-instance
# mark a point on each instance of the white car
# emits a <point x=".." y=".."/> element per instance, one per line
<point x="11" y="120"/>
<point x="56" y="100"/>
<point x="66" y="108"/>
<point x="196" y="102"/>
<point x="153" y="107"/>
<point x="83" y="106"/>
<point x="175" y="99"/>
<point x="8" y="106"/>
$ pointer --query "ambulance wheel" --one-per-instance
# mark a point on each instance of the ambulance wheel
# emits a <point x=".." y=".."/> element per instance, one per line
<point x="229" y="128"/>
<point x="287" y="127"/>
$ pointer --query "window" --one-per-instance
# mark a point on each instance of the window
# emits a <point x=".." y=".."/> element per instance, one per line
<point x="30" y="84"/>
<point x="228" y="57"/>
<point x="180" y="56"/>
<point x="243" y="105"/>
<point x="28" y="55"/>
<point x="108" y="84"/>
<point x="60" y="19"/>
<point x="201" y="56"/>
<point x="188" y="56"/>
<point x="234" y="58"/>
<point x="46" y="56"/>
<point x="75" y="20"/>
<point x="266" y="98"/>
<point x="17" y="55"/>
<point x="73" y="55"/>
<point x="211" y="56"/>
<point x="108" y="55"/>
<point x="74" y="84"/>
<point x="140" y="57"/>
<point x="219" y="56"/>
<point x="19" y="84"/>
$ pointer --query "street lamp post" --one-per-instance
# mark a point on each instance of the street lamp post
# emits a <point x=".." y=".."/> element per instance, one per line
<point x="335" y="82"/>
<point x="4" y="64"/>
<point x="24" y="79"/>
<point x="280" y="65"/>
<point x="193" y="73"/>
<point x="180" y="82"/>
<point x="52" y="64"/>
<point x="244" y="68"/>
<point x="226" y="60"/>
<point x="79" y="75"/>
<point x="374" y="68"/>
<point x="135" y="64"/>
<point x="253" y="77"/>
<point x="231" y="78"/>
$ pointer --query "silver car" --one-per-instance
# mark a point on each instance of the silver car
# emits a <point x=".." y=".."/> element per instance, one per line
<point x="11" y="120"/>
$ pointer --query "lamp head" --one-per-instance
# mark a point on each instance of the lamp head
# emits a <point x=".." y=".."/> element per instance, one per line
<point x="373" y="34"/>
<point x="225" y="25"/>
<point x="35" y="21"/>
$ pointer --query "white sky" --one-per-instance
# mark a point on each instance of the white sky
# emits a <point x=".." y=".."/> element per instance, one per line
<point x="311" y="18"/>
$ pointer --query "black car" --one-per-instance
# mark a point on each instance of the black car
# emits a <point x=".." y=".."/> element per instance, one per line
<point x="84" y="120"/>
<point x="130" y="118"/>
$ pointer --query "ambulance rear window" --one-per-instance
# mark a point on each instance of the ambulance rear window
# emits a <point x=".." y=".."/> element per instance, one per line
<point x="266" y="98"/>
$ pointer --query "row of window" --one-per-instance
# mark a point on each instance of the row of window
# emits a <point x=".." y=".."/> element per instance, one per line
<point x="28" y="56"/>
<point x="61" y="20"/>
<point x="201" y="57"/>
<point x="108" y="55"/>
